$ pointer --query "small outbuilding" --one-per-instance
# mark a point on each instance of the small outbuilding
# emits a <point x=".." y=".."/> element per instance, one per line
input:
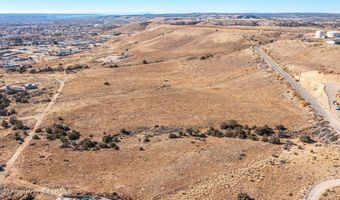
<point x="333" y="42"/>
<point x="333" y="34"/>
<point x="31" y="86"/>
<point x="320" y="34"/>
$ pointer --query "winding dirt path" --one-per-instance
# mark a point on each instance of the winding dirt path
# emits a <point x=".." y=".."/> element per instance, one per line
<point x="12" y="160"/>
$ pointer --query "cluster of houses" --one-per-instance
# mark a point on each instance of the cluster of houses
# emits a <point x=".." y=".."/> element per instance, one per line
<point x="19" y="88"/>
<point x="23" y="45"/>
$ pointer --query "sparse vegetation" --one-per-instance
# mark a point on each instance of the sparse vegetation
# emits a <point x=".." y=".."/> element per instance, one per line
<point x="87" y="144"/>
<point x="264" y="131"/>
<point x="5" y="124"/>
<point x="306" y="139"/>
<point x="36" y="137"/>
<point x="173" y="136"/>
<point x="214" y="132"/>
<point x="231" y="124"/>
<point x="73" y="135"/>
<point x="274" y="140"/>
<point x="244" y="196"/>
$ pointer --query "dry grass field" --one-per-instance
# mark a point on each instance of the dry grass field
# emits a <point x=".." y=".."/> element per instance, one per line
<point x="174" y="76"/>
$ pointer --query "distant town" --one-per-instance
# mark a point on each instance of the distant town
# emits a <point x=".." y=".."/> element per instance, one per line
<point x="24" y="44"/>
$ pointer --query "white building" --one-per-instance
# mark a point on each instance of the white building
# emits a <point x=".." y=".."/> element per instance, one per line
<point x="31" y="86"/>
<point x="333" y="34"/>
<point x="333" y="42"/>
<point x="320" y="34"/>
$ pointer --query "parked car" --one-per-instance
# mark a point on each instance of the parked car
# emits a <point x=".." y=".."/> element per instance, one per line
<point x="337" y="107"/>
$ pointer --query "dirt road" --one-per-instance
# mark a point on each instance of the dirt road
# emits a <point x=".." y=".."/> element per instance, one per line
<point x="330" y="117"/>
<point x="11" y="161"/>
<point x="319" y="189"/>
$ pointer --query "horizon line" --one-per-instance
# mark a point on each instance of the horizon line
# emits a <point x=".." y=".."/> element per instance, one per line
<point x="150" y="13"/>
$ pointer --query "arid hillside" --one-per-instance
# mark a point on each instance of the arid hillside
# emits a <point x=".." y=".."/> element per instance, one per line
<point x="137" y="121"/>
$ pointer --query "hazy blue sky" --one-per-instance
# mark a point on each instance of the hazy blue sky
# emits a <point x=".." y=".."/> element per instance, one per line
<point x="166" y="6"/>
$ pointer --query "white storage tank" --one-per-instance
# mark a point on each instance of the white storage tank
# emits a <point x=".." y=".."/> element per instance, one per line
<point x="320" y="34"/>
<point x="333" y="42"/>
<point x="333" y="34"/>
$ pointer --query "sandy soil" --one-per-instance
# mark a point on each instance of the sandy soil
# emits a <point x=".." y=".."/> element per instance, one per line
<point x="333" y="194"/>
<point x="178" y="87"/>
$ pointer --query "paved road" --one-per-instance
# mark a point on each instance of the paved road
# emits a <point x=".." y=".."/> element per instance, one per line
<point x="332" y="90"/>
<point x="319" y="189"/>
<point x="10" y="163"/>
<point x="302" y="91"/>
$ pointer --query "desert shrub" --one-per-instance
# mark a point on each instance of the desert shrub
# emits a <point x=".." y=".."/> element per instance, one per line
<point x="125" y="132"/>
<point x="145" y="62"/>
<point x="103" y="145"/>
<point x="12" y="112"/>
<point x="63" y="139"/>
<point x="19" y="126"/>
<point x="87" y="144"/>
<point x="51" y="137"/>
<point x="264" y="138"/>
<point x="230" y="124"/>
<point x="5" y="124"/>
<point x="288" y="145"/>
<point x="280" y="127"/>
<point x="265" y="130"/>
<point x="107" y="83"/>
<point x="283" y="134"/>
<point x="244" y="196"/>
<point x="146" y="139"/>
<point x="306" y="139"/>
<point x="214" y="132"/>
<point x="305" y="104"/>
<point x="274" y="140"/>
<point x="38" y="130"/>
<point x="48" y="130"/>
<point x="17" y="137"/>
<point x="252" y="137"/>
<point x="107" y="139"/>
<point x="246" y="127"/>
<point x="113" y="66"/>
<point x="13" y="119"/>
<point x="182" y="134"/>
<point x="36" y="137"/>
<point x="198" y="134"/>
<point x="65" y="144"/>
<point x="229" y="133"/>
<point x="173" y="136"/>
<point x="114" y="146"/>
<point x="73" y="135"/>
<point x="241" y="134"/>
<point x="204" y="57"/>
<point x="20" y="99"/>
<point x="189" y="131"/>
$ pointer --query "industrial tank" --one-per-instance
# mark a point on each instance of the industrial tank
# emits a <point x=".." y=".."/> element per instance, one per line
<point x="333" y="34"/>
